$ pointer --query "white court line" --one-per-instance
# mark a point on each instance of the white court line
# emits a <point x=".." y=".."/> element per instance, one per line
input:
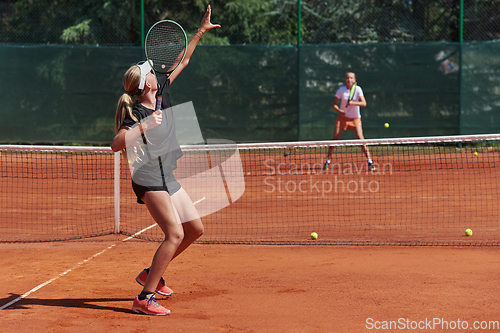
<point x="140" y="232"/>
<point x="55" y="278"/>
<point x="197" y="202"/>
<point x="79" y="264"/>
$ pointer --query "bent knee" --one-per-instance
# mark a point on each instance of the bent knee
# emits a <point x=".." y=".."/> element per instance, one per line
<point x="175" y="237"/>
<point x="198" y="230"/>
<point x="195" y="229"/>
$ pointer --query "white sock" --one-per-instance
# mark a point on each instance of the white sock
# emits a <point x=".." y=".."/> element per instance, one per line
<point x="327" y="161"/>
<point x="370" y="161"/>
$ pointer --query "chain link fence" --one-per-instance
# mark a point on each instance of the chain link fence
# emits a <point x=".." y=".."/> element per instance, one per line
<point x="326" y="22"/>
<point x="261" y="22"/>
<point x="271" y="91"/>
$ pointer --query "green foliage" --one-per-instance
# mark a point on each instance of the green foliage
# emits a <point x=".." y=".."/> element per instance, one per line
<point x="262" y="22"/>
<point x="83" y="22"/>
<point x="78" y="34"/>
<point x="262" y="88"/>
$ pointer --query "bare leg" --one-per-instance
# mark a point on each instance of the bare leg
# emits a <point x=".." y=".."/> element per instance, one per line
<point x="189" y="218"/>
<point x="191" y="222"/>
<point x="163" y="212"/>
<point x="359" y="134"/>
<point x="336" y="136"/>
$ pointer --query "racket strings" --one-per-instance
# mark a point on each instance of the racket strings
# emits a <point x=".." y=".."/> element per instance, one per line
<point x="165" y="46"/>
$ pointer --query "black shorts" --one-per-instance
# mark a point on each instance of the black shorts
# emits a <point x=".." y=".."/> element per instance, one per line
<point x="172" y="187"/>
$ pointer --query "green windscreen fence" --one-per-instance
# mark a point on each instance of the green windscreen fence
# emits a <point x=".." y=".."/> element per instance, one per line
<point x="480" y="88"/>
<point x="404" y="85"/>
<point x="248" y="93"/>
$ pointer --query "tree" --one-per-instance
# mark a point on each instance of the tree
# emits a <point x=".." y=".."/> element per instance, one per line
<point x="262" y="22"/>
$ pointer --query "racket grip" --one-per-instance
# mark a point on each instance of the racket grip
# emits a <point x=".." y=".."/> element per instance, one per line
<point x="158" y="103"/>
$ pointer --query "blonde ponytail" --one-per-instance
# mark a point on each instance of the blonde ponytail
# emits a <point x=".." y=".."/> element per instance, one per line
<point x="123" y="109"/>
<point x="130" y="80"/>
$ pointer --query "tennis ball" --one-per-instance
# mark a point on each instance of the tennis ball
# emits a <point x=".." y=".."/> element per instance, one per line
<point x="468" y="232"/>
<point x="476" y="153"/>
<point x="386" y="125"/>
<point x="314" y="235"/>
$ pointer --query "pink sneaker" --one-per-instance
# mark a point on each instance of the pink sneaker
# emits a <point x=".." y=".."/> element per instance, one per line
<point x="149" y="306"/>
<point x="161" y="288"/>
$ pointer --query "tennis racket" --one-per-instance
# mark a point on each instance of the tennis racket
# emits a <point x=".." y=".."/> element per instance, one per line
<point x="165" y="48"/>
<point x="351" y="94"/>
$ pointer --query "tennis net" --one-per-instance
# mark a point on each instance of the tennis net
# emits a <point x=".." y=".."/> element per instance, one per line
<point x="424" y="191"/>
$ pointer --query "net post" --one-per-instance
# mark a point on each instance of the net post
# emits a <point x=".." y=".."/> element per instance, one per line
<point x="117" y="191"/>
<point x="299" y="39"/>
<point x="142" y="23"/>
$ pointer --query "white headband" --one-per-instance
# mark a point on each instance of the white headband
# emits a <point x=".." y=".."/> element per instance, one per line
<point x="145" y="69"/>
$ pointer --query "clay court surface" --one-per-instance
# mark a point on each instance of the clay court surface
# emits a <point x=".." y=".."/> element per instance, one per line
<point x="242" y="288"/>
<point x="300" y="286"/>
<point x="413" y="199"/>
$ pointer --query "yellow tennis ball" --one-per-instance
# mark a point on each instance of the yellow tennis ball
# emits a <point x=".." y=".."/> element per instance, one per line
<point x="468" y="232"/>
<point x="314" y="235"/>
<point x="476" y="153"/>
<point x="386" y="125"/>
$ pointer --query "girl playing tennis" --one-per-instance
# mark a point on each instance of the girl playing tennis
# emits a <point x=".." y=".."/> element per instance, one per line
<point x="349" y="117"/>
<point x="153" y="181"/>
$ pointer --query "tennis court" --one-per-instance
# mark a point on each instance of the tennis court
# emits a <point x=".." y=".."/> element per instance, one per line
<point x="256" y="269"/>
<point x="426" y="191"/>
<point x="292" y="243"/>
<point x="241" y="288"/>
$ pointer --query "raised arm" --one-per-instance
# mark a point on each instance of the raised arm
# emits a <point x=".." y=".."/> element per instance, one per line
<point x="204" y="27"/>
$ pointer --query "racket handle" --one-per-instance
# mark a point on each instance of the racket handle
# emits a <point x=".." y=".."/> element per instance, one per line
<point x="158" y="103"/>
